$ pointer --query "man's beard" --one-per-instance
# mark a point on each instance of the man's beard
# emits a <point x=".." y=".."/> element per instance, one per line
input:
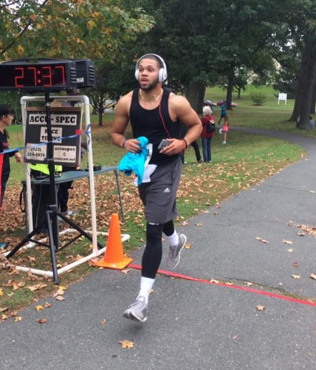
<point x="150" y="87"/>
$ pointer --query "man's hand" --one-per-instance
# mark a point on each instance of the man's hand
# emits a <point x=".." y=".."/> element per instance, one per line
<point x="176" y="146"/>
<point x="132" y="145"/>
<point x="18" y="157"/>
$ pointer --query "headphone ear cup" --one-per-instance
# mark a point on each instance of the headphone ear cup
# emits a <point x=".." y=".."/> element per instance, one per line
<point x="162" y="75"/>
<point x="137" y="74"/>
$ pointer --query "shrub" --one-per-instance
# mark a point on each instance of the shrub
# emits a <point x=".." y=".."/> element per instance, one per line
<point x="258" y="97"/>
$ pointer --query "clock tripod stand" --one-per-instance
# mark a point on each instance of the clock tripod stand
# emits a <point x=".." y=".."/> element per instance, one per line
<point x="52" y="213"/>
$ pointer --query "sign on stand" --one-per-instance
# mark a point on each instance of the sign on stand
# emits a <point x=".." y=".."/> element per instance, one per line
<point x="65" y="122"/>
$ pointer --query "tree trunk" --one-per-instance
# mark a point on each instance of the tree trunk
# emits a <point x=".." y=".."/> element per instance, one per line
<point x="195" y="92"/>
<point x="239" y="92"/>
<point x="306" y="83"/>
<point x="313" y="101"/>
<point x="229" y="95"/>
<point x="100" y="116"/>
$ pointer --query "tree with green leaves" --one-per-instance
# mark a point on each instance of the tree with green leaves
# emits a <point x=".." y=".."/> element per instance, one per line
<point x="68" y="28"/>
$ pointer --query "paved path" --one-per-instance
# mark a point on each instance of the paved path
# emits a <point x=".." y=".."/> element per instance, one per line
<point x="194" y="325"/>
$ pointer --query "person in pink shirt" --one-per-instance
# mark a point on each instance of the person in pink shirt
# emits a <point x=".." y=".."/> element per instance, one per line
<point x="225" y="129"/>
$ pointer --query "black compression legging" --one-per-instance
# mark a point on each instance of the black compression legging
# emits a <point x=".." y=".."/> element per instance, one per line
<point x="153" y="252"/>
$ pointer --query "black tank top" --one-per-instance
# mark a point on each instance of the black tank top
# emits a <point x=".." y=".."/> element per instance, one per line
<point x="148" y="123"/>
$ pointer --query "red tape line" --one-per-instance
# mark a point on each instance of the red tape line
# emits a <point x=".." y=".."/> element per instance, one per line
<point x="255" y="291"/>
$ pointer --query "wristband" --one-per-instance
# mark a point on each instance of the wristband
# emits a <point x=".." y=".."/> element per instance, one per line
<point x="185" y="142"/>
<point x="123" y="144"/>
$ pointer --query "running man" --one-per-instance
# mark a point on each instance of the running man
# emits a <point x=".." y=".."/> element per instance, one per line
<point x="155" y="112"/>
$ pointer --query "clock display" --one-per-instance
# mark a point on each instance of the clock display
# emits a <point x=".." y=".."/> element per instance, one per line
<point x="48" y="75"/>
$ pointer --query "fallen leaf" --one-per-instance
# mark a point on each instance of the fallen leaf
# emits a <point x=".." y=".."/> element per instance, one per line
<point x="60" y="298"/>
<point x="47" y="305"/>
<point x="1" y="292"/>
<point x="36" y="287"/>
<point x="31" y="259"/>
<point x="42" y="321"/>
<point x="313" y="276"/>
<point x="249" y="283"/>
<point x="290" y="250"/>
<point x="301" y="234"/>
<point x="199" y="224"/>
<point x="228" y="283"/>
<point x="18" y="318"/>
<point x="235" y="337"/>
<point x="215" y="213"/>
<point x="126" y="271"/>
<point x="188" y="246"/>
<point x="3" y="309"/>
<point x="262" y="240"/>
<point x="260" y="308"/>
<point x="184" y="223"/>
<point x="287" y="242"/>
<point x="93" y="261"/>
<point x="295" y="264"/>
<point x="296" y="276"/>
<point x="126" y="343"/>
<point x="103" y="322"/>
<point x="4" y="317"/>
<point x="15" y="286"/>
<point x="39" y="308"/>
<point x="213" y="281"/>
<point x="59" y="293"/>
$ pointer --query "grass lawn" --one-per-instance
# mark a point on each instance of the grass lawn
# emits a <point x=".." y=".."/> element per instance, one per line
<point x="269" y="116"/>
<point x="245" y="161"/>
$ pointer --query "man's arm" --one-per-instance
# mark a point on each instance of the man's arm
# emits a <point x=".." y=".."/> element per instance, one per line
<point x="181" y="108"/>
<point x="120" y="124"/>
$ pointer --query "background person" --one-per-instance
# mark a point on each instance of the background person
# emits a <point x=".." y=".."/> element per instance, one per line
<point x="207" y="136"/>
<point x="223" y="111"/>
<point x="311" y="123"/>
<point x="155" y="112"/>
<point x="225" y="129"/>
<point x="194" y="144"/>
<point x="6" y="118"/>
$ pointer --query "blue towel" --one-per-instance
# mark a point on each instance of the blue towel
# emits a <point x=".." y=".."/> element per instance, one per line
<point x="135" y="162"/>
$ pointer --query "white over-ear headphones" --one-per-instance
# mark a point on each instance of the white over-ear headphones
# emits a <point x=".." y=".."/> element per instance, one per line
<point x="162" y="77"/>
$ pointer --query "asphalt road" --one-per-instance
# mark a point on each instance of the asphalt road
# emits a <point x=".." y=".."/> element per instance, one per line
<point x="195" y="324"/>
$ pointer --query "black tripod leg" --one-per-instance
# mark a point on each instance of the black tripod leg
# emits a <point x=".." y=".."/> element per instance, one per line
<point x="26" y="239"/>
<point x="52" y="247"/>
<point x="78" y="228"/>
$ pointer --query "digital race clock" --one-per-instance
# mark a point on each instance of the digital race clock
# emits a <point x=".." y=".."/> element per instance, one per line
<point x="43" y="74"/>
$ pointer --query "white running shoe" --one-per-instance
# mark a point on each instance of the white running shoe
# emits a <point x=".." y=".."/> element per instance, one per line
<point x="137" y="311"/>
<point x="174" y="252"/>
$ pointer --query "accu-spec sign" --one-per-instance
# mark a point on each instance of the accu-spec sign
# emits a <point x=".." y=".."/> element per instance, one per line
<point x="65" y="122"/>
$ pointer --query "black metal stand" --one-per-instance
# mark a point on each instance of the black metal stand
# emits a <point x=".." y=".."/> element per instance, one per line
<point x="52" y="213"/>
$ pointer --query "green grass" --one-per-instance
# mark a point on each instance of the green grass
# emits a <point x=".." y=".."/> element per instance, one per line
<point x="269" y="116"/>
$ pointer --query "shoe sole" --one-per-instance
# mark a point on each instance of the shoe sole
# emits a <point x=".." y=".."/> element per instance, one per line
<point x="185" y="240"/>
<point x="128" y="314"/>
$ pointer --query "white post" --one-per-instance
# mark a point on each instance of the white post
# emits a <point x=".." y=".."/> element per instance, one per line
<point x="91" y="177"/>
<point x="28" y="199"/>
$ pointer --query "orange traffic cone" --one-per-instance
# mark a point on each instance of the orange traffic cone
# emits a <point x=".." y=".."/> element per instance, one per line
<point x="114" y="257"/>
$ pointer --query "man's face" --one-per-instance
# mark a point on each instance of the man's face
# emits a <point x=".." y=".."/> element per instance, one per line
<point x="148" y="74"/>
